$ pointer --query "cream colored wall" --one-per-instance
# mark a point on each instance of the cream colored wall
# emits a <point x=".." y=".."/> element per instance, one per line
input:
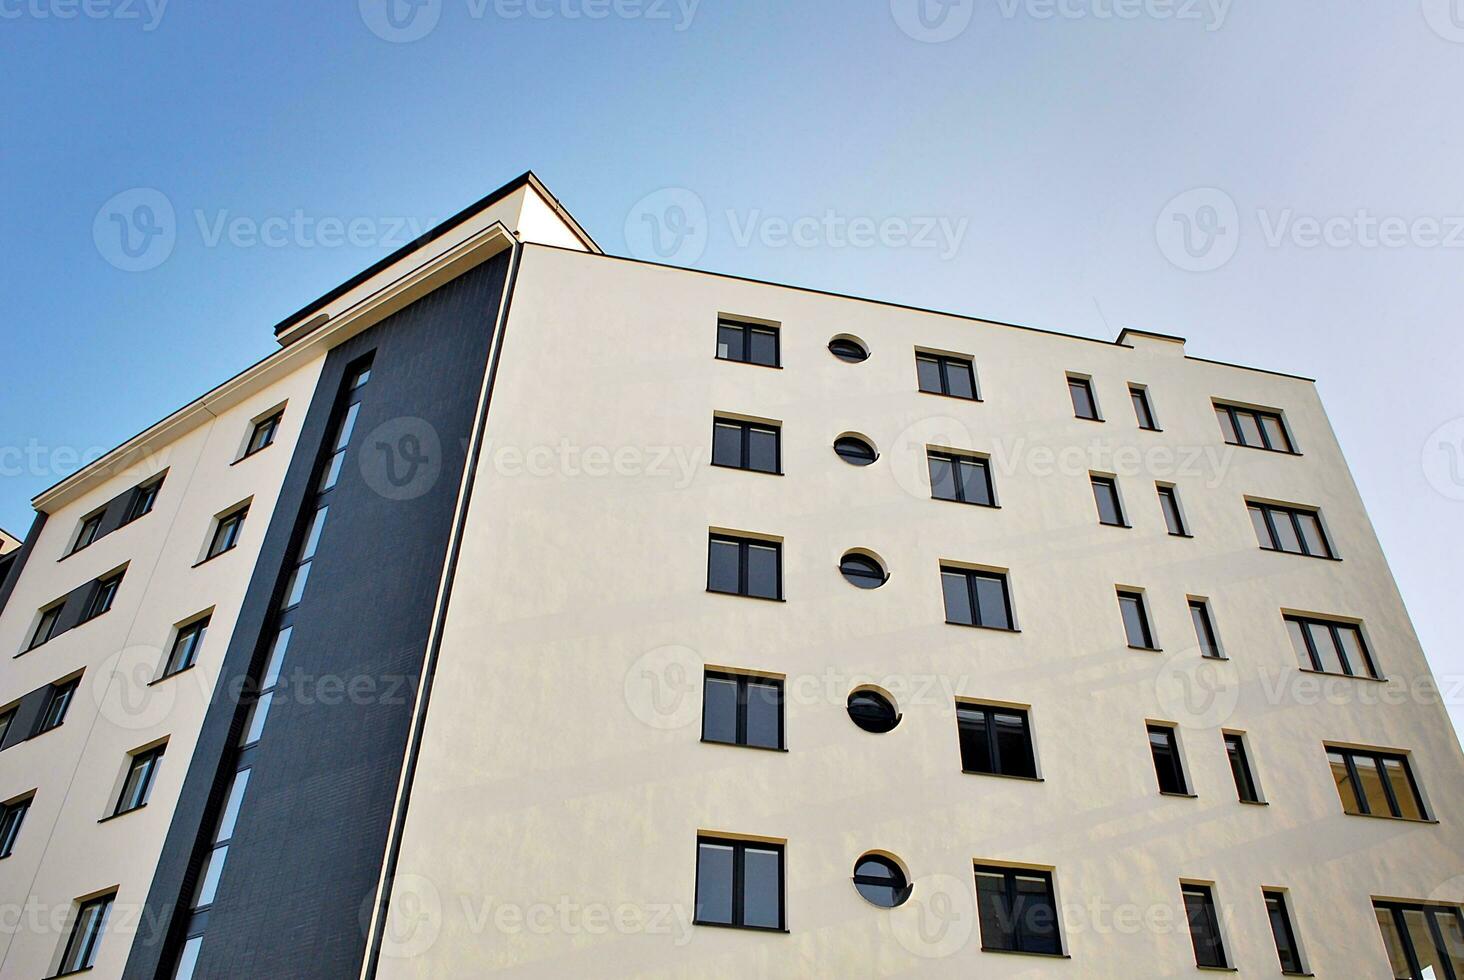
<point x="63" y="852"/>
<point x="561" y="761"/>
<point x="8" y="543"/>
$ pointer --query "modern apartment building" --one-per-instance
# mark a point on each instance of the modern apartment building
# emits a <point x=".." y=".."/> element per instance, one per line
<point x="537" y="612"/>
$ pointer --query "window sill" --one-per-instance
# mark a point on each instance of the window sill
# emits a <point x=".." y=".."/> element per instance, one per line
<point x="210" y="558"/>
<point x="1263" y="449"/>
<point x="1254" y="802"/>
<point x="1150" y="428"/>
<point x="1003" y="775"/>
<point x="1111" y="524"/>
<point x="728" y="925"/>
<point x="1297" y="554"/>
<point x="1135" y="646"/>
<point x="1391" y="818"/>
<point x="747" y="469"/>
<point x="1088" y="418"/>
<point x="1293" y="973"/>
<point x="251" y="454"/>
<point x="733" y="360"/>
<point x="1215" y="657"/>
<point x="942" y="394"/>
<point x="1218" y="969"/>
<point x="168" y="677"/>
<point x="114" y="816"/>
<point x="968" y="503"/>
<point x="1350" y="677"/>
<point x="744" y="595"/>
<point x="743" y="745"/>
<point x="1180" y="796"/>
<point x="1025" y="952"/>
<point x="72" y="973"/>
<point x="1180" y="534"/>
<point x="978" y="626"/>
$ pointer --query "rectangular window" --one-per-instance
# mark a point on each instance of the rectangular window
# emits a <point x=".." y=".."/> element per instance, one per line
<point x="143" y="498"/>
<point x="1135" y="620"/>
<point x="1424" y="942"/>
<point x="1143" y="411"/>
<point x="976" y="598"/>
<point x="226" y="532"/>
<point x="1110" y="508"/>
<point x="745" y="566"/>
<point x="1330" y="646"/>
<point x="1291" y="529"/>
<point x="1245" y="781"/>
<point x="1017" y="910"/>
<point x="46" y="625"/>
<point x="1173" y="516"/>
<point x="142" y="768"/>
<point x="1254" y="428"/>
<point x="738" y="709"/>
<point x="1378" y="784"/>
<point x="1204" y="926"/>
<point x="1205" y="629"/>
<point x="995" y="740"/>
<point x="6" y="718"/>
<point x="184" y="653"/>
<point x="746" y="445"/>
<point x="747" y="342"/>
<point x="12" y="815"/>
<point x="88" y="531"/>
<point x="86" y="935"/>
<point x="263" y="433"/>
<point x="959" y="477"/>
<point x="1085" y="406"/>
<point x="942" y="374"/>
<point x="1286" y="948"/>
<point x="1164" y="746"/>
<point x="102" y="596"/>
<point x="739" y="883"/>
<point x="58" y="699"/>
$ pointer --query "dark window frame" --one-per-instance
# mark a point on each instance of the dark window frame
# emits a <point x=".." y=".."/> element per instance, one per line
<point x="1430" y="913"/>
<point x="746" y="328"/>
<point x="895" y="880"/>
<point x="993" y="743"/>
<point x="1334" y="629"/>
<point x="103" y="595"/>
<point x="144" y="498"/>
<point x="859" y="458"/>
<point x="956" y="460"/>
<point x="1203" y="620"/>
<point x="74" y="958"/>
<point x="12" y="819"/>
<point x="63" y="693"/>
<point x="1172" y="510"/>
<point x="1146" y="627"/>
<point x="850" y="345"/>
<point x="944" y="363"/>
<point x="1018" y="936"/>
<point x="1270" y="513"/>
<point x="1232" y="426"/>
<point x="229" y="525"/>
<point x="739" y="860"/>
<point x="269" y="426"/>
<point x="195" y="631"/>
<point x="858" y="565"/>
<point x="1247" y="790"/>
<point x="879" y="721"/>
<point x="1379" y="757"/>
<point x="1177" y="783"/>
<point x="1288" y="950"/>
<point x="972" y="575"/>
<point x="86" y="533"/>
<point x="45" y="627"/>
<point x="1143" y="408"/>
<point x="146" y="760"/>
<point x="1205" y="894"/>
<point x="744" y="544"/>
<point x="1076" y="383"/>
<point x="1109" y="485"/>
<point x="744" y="427"/>
<point x="743" y="682"/>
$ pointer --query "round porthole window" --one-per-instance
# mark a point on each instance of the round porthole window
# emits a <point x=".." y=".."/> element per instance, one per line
<point x="863" y="570"/>
<point x="872" y="710"/>
<point x="848" y="349"/>
<point x="855" y="450"/>
<point x="881" y="881"/>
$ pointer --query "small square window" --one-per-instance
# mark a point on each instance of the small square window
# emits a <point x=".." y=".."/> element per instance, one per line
<point x="748" y="343"/>
<point x="103" y="594"/>
<point x="1173" y="515"/>
<point x="1204" y="926"/>
<point x="88" y="532"/>
<point x="143" y="499"/>
<point x="142" y="769"/>
<point x="226" y="532"/>
<point x="12" y="815"/>
<point x="1143" y="411"/>
<point x="738" y="709"/>
<point x="46" y="625"/>
<point x="746" y="445"/>
<point x="745" y="566"/>
<point x="184" y="652"/>
<point x="959" y="477"/>
<point x="1085" y="406"/>
<point x="995" y="740"/>
<point x="1240" y="768"/>
<point x="1164" y="746"/>
<point x="944" y="374"/>
<point x="58" y="699"/>
<point x="739" y="883"/>
<point x="976" y="598"/>
<point x="86" y="935"/>
<point x="1136" y="620"/>
<point x="263" y="433"/>
<point x="1110" y="507"/>
<point x="1017" y="910"/>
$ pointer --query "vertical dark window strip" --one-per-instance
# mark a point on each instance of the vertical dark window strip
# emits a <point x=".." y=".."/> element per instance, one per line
<point x="1173" y="516"/>
<point x="1240" y="769"/>
<point x="1283" y="932"/>
<point x="12" y="815"/>
<point x="1167" y="765"/>
<point x="1204" y="926"/>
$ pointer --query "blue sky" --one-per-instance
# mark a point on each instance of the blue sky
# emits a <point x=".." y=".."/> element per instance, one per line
<point x="1314" y="149"/>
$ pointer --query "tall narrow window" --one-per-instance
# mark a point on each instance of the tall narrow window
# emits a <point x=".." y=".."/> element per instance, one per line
<point x="1085" y="406"/>
<point x="142" y="769"/>
<point x="942" y="374"/>
<point x="1110" y="507"/>
<point x="86" y="934"/>
<point x="1173" y="515"/>
<point x="1330" y="646"/>
<point x="1287" y="949"/>
<point x="1290" y="529"/>
<point x="739" y="883"/>
<point x="1143" y="411"/>
<point x="960" y="477"/>
<point x="745" y="445"/>
<point x="7" y="717"/>
<point x="227" y="531"/>
<point x="976" y="598"/>
<point x="745" y="566"/>
<point x="143" y="499"/>
<point x="87" y="533"/>
<point x="1255" y="428"/>
<point x="1240" y="768"/>
<point x="1017" y="910"/>
<point x="58" y="699"/>
<point x="1164" y="746"/>
<point x="738" y="709"/>
<point x="102" y="596"/>
<point x="1204" y="926"/>
<point x="12" y="815"/>
<point x="1135" y="620"/>
<point x="747" y="342"/>
<point x="1373" y="783"/>
<point x="46" y="625"/>
<point x="263" y="433"/>
<point x="995" y="740"/>
<point x="1205" y="629"/>
<point x="184" y="652"/>
<point x="1424" y="942"/>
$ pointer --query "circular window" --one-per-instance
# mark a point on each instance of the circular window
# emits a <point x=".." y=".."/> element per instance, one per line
<point x="872" y="710"/>
<point x="848" y="349"/>
<point x="863" y="570"/>
<point x="855" y="450"/>
<point x="881" y="881"/>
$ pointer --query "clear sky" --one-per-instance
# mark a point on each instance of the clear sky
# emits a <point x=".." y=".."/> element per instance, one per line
<point x="1279" y="182"/>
